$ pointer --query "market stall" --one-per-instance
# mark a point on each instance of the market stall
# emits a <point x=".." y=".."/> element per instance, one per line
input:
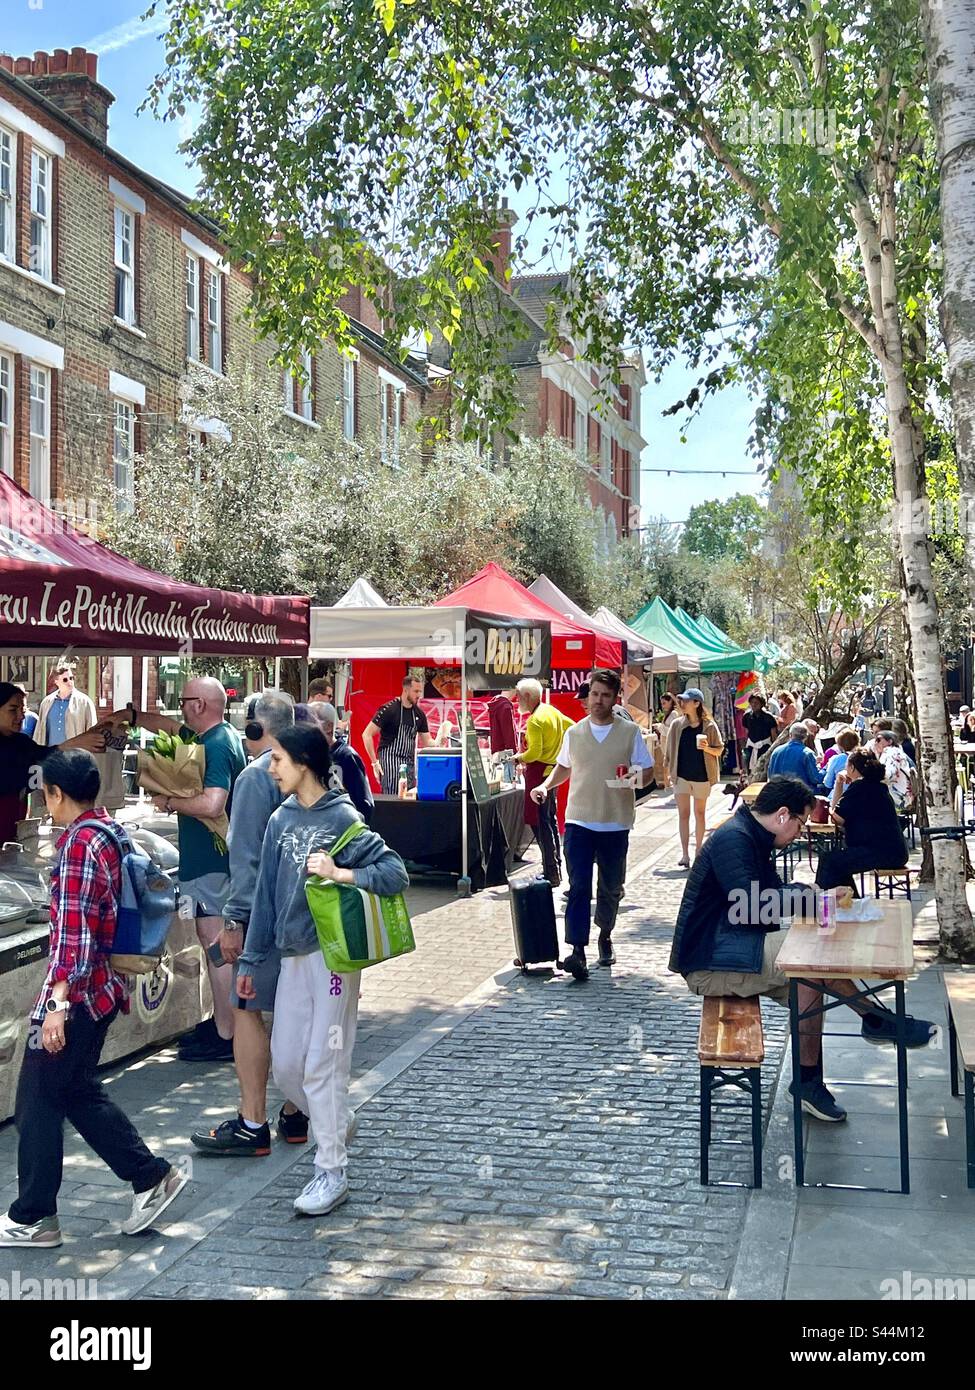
<point x="472" y="827"/>
<point x="60" y="591"/>
<point x="637" y="651"/>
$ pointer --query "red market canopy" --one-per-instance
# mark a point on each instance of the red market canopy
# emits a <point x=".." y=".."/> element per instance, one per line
<point x="60" y="589"/>
<point x="493" y="590"/>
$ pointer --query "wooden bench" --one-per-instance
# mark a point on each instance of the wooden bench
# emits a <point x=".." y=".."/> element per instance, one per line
<point x="731" y="1050"/>
<point x="960" y="989"/>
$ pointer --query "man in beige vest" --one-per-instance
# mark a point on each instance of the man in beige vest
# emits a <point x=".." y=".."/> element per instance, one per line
<point x="599" y="816"/>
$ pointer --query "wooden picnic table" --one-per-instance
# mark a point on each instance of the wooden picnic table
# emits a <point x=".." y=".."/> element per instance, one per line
<point x="879" y="950"/>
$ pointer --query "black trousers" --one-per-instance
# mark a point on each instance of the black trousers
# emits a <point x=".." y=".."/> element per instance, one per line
<point x="549" y="842"/>
<point x="838" y="866"/>
<point x="55" y="1086"/>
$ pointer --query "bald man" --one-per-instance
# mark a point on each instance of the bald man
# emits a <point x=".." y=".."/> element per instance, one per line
<point x="204" y="869"/>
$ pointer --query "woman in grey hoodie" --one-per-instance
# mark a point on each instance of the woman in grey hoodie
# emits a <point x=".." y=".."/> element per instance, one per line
<point x="314" y="1011"/>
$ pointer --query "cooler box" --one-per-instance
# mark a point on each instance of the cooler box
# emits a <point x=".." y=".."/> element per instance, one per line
<point x="438" y="775"/>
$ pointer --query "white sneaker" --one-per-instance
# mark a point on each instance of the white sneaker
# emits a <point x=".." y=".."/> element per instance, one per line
<point x="41" y="1234"/>
<point x="325" y="1192"/>
<point x="147" y="1206"/>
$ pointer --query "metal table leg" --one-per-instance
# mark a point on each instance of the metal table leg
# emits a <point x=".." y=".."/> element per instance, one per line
<point x="755" y="1081"/>
<point x="899" y="995"/>
<point x="970" y="1126"/>
<point x="796" y="1080"/>
<point x="706" y="1076"/>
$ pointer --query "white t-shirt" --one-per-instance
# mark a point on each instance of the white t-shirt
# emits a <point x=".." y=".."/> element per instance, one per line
<point x="639" y="757"/>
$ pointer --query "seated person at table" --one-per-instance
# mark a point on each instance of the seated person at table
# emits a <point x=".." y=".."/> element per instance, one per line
<point x="898" y="769"/>
<point x="729" y="934"/>
<point x="847" y="742"/>
<point x="796" y="759"/>
<point x="868" y="818"/>
<point x="967" y="732"/>
<point x="907" y="743"/>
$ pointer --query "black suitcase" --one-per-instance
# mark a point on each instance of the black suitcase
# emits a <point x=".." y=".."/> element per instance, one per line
<point x="533" y="921"/>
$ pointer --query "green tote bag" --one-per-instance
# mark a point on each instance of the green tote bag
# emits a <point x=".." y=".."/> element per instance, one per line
<point x="357" y="929"/>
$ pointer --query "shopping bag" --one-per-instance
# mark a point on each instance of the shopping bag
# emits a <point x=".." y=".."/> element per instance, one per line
<point x="357" y="929"/>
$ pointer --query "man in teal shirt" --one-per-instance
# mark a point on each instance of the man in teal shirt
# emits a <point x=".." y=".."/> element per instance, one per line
<point x="204" y="869"/>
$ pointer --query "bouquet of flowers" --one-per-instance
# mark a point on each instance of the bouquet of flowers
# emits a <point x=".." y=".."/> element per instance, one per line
<point x="174" y="767"/>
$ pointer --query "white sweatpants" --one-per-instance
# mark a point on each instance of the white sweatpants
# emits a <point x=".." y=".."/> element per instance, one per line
<point x="312" y="1039"/>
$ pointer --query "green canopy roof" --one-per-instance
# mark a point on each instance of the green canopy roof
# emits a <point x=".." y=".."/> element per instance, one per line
<point x="705" y="643"/>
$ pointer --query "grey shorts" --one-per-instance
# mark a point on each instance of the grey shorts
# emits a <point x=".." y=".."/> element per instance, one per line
<point x="769" y="981"/>
<point x="205" y="896"/>
<point x="265" y="977"/>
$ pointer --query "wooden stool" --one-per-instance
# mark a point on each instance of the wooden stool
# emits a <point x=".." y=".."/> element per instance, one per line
<point x="960" y="989"/>
<point x="893" y="879"/>
<point x="731" y="1050"/>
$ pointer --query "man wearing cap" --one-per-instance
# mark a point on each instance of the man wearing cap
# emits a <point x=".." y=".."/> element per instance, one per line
<point x="599" y="815"/>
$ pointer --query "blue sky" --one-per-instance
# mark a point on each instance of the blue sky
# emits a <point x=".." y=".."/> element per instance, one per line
<point x="130" y="55"/>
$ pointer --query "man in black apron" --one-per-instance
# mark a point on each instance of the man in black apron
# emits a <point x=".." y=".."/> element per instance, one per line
<point x="402" y="728"/>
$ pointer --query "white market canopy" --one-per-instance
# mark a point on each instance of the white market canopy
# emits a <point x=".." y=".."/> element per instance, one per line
<point x="638" y="649"/>
<point x="388" y="634"/>
<point x="361" y="595"/>
<point x="663" y="660"/>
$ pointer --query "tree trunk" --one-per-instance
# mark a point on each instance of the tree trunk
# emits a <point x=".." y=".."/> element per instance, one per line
<point x="949" y="33"/>
<point x="956" y="930"/>
<point x="851" y="660"/>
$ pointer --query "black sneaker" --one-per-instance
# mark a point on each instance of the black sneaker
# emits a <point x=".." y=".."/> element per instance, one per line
<point x="234" y="1137"/>
<point x="818" y="1101"/>
<point x="575" y="964"/>
<point x="881" y="1027"/>
<point x="204" y="1032"/>
<point x="293" y="1129"/>
<point x="607" y="956"/>
<point x="217" y="1049"/>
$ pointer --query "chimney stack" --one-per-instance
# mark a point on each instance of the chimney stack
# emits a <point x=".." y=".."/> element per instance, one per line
<point x="70" y="80"/>
<point x="506" y="219"/>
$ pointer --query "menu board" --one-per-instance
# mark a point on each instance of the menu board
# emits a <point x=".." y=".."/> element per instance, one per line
<point x="475" y="764"/>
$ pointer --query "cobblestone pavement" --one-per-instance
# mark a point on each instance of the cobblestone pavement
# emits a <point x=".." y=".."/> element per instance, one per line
<point x="543" y="1143"/>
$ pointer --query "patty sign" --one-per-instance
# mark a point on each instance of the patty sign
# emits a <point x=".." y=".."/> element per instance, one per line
<point x="498" y="654"/>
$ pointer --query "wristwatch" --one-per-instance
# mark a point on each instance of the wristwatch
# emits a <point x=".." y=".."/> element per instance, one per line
<point x="57" y="1006"/>
<point x="231" y="924"/>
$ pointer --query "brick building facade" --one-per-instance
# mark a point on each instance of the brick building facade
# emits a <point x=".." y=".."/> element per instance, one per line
<point x="111" y="289"/>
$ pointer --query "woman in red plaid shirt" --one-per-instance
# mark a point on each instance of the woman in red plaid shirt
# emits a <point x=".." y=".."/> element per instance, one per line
<point x="80" y="997"/>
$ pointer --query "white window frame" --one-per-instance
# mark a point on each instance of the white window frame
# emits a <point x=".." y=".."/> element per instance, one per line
<point x="348" y="395"/>
<point x="40" y="443"/>
<point x="392" y="393"/>
<point x="123" y="459"/>
<point x="125" y="269"/>
<point x="192" y="309"/>
<point x="606" y="453"/>
<point x="580" y="430"/>
<point x="40" y="213"/>
<point x="8" y="194"/>
<point x="215" y="293"/>
<point x="288" y="390"/>
<point x="306" y="401"/>
<point x="7" y="414"/>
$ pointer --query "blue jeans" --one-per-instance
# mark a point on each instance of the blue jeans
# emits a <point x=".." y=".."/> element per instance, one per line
<point x="606" y="850"/>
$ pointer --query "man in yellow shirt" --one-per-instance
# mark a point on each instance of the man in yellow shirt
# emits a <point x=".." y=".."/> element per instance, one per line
<point x="544" y="733"/>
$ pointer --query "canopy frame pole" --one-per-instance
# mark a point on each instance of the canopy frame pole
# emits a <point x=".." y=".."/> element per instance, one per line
<point x="304" y="680"/>
<point x="277" y="673"/>
<point x="464" y="882"/>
